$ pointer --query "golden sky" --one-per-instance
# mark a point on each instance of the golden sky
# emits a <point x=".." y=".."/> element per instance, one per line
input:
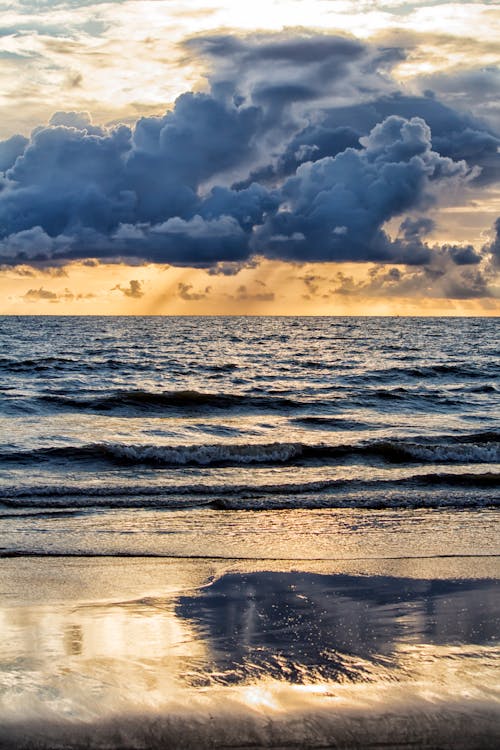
<point x="268" y="288"/>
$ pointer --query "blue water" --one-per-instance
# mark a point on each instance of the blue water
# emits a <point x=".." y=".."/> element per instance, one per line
<point x="246" y="414"/>
<point x="218" y="414"/>
<point x="289" y="411"/>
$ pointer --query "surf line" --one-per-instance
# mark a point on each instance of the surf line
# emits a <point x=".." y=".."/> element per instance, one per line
<point x="252" y="558"/>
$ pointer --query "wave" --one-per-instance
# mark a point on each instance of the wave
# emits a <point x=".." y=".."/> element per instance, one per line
<point x="43" y="363"/>
<point x="486" y="388"/>
<point x="227" y="367"/>
<point x="329" y="493"/>
<point x="423" y="372"/>
<point x="475" y="448"/>
<point x="124" y="402"/>
<point x="410" y="395"/>
<point x="172" y="400"/>
<point x="167" y="456"/>
<point x="332" y="423"/>
<point x="47" y="364"/>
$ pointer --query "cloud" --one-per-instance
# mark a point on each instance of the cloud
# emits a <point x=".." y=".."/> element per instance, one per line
<point x="462" y="255"/>
<point x="134" y="289"/>
<point x="34" y="246"/>
<point x="196" y="241"/>
<point x="441" y="279"/>
<point x="454" y="134"/>
<point x="313" y="283"/>
<point x="243" y="294"/>
<point x="185" y="292"/>
<point x="77" y="120"/>
<point x="10" y="150"/>
<point x="493" y="249"/>
<point x="45" y="295"/>
<point x="302" y="149"/>
<point x="34" y="295"/>
<point x="201" y="137"/>
<point x="279" y="70"/>
<point x="337" y="206"/>
<point x="312" y="143"/>
<point x="475" y="90"/>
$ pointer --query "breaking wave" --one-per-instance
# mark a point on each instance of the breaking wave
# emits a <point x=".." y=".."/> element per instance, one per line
<point x="382" y="716"/>
<point x="476" y="448"/>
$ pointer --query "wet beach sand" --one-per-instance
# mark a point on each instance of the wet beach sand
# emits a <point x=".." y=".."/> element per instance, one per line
<point x="171" y="652"/>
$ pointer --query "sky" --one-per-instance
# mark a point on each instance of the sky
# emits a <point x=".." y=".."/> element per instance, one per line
<point x="273" y="157"/>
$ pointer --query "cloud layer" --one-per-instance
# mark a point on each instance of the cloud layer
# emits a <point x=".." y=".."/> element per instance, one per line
<point x="302" y="149"/>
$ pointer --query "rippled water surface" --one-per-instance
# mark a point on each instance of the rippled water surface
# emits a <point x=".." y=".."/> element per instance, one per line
<point x="248" y="412"/>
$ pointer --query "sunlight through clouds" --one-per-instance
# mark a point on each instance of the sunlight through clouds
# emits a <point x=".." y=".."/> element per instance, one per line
<point x="120" y="59"/>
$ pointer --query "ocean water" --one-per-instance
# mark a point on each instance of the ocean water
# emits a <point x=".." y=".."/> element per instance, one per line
<point x="249" y="532"/>
<point x="248" y="413"/>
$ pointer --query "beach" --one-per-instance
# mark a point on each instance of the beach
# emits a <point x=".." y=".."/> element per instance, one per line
<point x="177" y="653"/>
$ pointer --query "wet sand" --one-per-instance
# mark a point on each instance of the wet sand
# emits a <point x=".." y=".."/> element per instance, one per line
<point x="144" y="653"/>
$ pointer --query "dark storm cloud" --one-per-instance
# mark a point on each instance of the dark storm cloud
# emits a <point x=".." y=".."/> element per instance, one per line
<point x="283" y="73"/>
<point x="462" y="255"/>
<point x="200" y="138"/>
<point x="337" y="206"/>
<point x="271" y="162"/>
<point x="454" y="133"/>
<point x="195" y="241"/>
<point x="416" y="228"/>
<point x="312" y="143"/>
<point x="494" y="248"/>
<point x="247" y="205"/>
<point x="475" y="90"/>
<point x="10" y="150"/>
<point x="241" y="56"/>
<point x="66" y="178"/>
<point x="411" y="241"/>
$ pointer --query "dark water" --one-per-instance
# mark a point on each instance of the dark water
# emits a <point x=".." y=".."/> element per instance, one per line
<point x="249" y="412"/>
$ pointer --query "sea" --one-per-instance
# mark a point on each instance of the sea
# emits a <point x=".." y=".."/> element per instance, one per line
<point x="249" y="532"/>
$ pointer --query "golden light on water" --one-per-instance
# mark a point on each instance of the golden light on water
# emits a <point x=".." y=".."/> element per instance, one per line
<point x="93" y="661"/>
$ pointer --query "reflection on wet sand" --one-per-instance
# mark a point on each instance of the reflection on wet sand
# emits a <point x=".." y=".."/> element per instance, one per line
<point x="189" y="655"/>
<point x="301" y="623"/>
<point x="298" y="624"/>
